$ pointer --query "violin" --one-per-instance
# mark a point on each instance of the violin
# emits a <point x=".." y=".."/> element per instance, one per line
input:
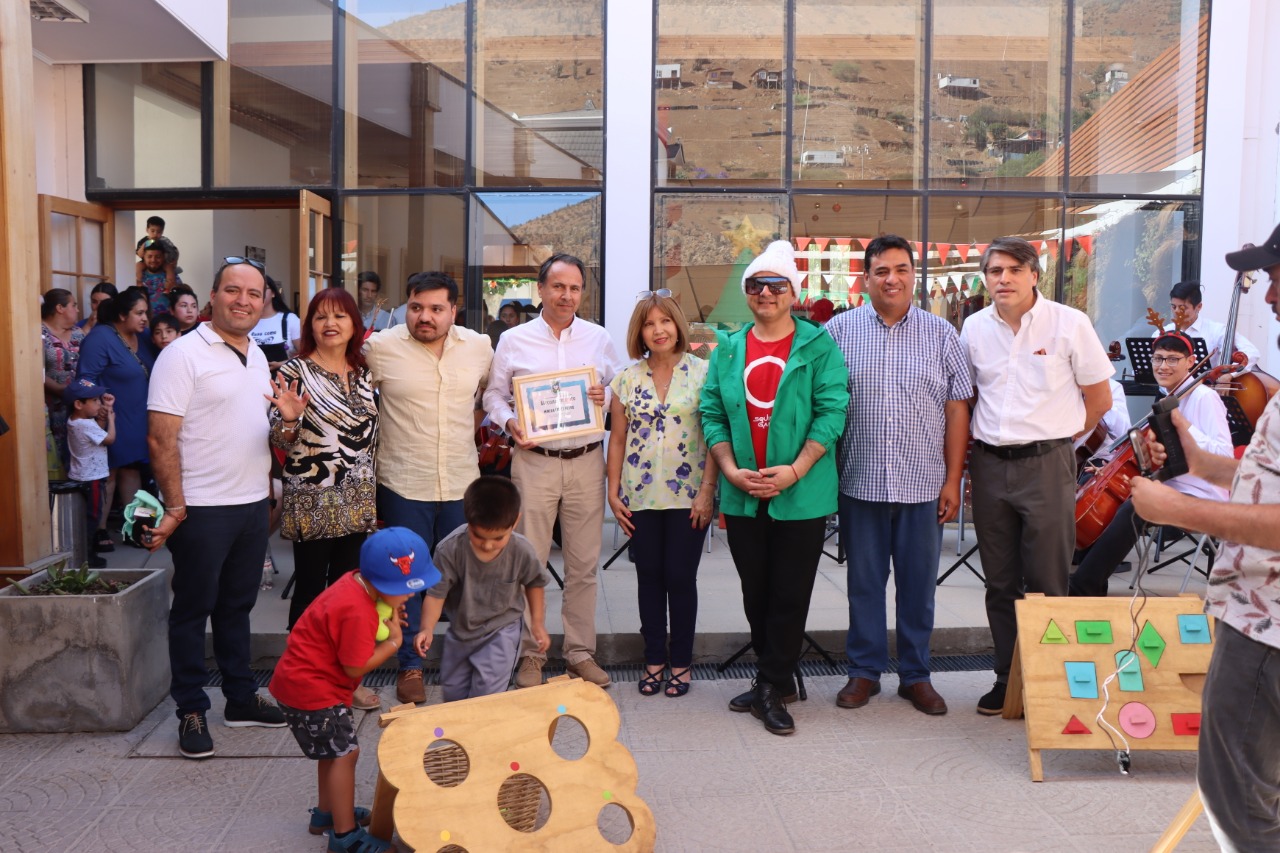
<point x="1098" y="500"/>
<point x="1091" y="445"/>
<point x="1253" y="389"/>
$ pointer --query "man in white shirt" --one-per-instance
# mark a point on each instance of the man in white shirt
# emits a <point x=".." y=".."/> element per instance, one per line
<point x="1041" y="375"/>
<point x="207" y="432"/>
<point x="1185" y="301"/>
<point x="564" y="477"/>
<point x="429" y="373"/>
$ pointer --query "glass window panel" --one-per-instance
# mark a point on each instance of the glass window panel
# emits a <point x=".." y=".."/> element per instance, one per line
<point x="996" y="93"/>
<point x="397" y="236"/>
<point x="62" y="242"/>
<point x="410" y="97"/>
<point x="146" y="131"/>
<point x="1125" y="256"/>
<point x="1138" y="96"/>
<point x="513" y="233"/>
<point x="281" y="93"/>
<point x="721" y="80"/>
<point x="703" y="244"/>
<point x="858" y="93"/>
<point x="539" y="82"/>
<point x="961" y="227"/>
<point x="830" y="233"/>
<point x="91" y="248"/>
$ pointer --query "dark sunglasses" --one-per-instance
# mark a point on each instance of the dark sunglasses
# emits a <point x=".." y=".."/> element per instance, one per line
<point x="777" y="284"/>
<point x="257" y="265"/>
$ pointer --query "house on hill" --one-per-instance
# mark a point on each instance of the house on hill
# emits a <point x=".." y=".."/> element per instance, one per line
<point x="667" y="76"/>
<point x="719" y="78"/>
<point x="763" y="78"/>
<point x="960" y="87"/>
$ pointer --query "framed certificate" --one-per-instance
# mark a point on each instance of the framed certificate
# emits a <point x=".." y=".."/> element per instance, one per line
<point x="555" y="405"/>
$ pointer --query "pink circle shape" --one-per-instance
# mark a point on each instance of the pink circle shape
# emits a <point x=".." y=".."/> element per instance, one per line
<point x="1137" y="720"/>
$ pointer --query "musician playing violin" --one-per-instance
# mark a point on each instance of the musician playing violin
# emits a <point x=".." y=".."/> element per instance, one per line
<point x="1185" y="301"/>
<point x="1238" y="770"/>
<point x="1171" y="361"/>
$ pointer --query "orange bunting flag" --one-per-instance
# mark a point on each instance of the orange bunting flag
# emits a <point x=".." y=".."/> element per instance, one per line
<point x="944" y="249"/>
<point x="802" y="243"/>
<point x="1066" y="249"/>
<point x="962" y="249"/>
<point x="1052" y="246"/>
<point x="821" y="243"/>
<point x="1086" y="244"/>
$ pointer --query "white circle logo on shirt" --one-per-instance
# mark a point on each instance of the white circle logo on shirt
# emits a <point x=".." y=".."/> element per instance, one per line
<point x="746" y="378"/>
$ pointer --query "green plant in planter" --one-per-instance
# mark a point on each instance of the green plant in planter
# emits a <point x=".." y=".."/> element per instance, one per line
<point x="63" y="581"/>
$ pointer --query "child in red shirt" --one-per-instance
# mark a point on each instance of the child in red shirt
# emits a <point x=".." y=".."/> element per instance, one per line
<point x="334" y="645"/>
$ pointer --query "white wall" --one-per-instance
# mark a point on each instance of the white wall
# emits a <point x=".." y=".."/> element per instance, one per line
<point x="1242" y="167"/>
<point x="59" y="128"/>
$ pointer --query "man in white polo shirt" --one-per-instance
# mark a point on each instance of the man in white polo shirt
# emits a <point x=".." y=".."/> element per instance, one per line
<point x="564" y="477"/>
<point x="207" y="431"/>
<point x="1041" y="377"/>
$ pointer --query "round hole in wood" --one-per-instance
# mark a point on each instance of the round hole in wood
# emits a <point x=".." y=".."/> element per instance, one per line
<point x="524" y="803"/>
<point x="446" y="763"/>
<point x="615" y="824"/>
<point x="569" y="738"/>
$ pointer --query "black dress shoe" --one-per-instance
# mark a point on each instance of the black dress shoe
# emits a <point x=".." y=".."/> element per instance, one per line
<point x="992" y="703"/>
<point x="769" y="709"/>
<point x="742" y="702"/>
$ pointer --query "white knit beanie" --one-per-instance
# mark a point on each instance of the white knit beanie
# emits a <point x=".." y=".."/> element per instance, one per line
<point x="778" y="257"/>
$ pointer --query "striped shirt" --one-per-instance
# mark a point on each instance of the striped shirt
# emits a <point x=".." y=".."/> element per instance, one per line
<point x="900" y="380"/>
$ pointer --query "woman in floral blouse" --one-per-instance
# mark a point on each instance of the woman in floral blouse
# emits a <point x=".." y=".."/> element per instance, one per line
<point x="61" y="341"/>
<point x="657" y="466"/>
<point x="327" y="422"/>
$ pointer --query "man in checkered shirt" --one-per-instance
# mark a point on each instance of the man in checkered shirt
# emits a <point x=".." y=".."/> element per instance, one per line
<point x="900" y="460"/>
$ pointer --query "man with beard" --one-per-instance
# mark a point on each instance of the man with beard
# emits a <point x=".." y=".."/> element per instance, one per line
<point x="207" y="432"/>
<point x="1239" y="767"/>
<point x="429" y="373"/>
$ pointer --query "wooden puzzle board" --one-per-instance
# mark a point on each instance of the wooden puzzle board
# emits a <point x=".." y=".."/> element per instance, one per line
<point x="1067" y="647"/>
<point x="506" y="740"/>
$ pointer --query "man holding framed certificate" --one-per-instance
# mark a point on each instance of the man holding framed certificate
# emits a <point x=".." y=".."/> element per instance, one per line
<point x="547" y="387"/>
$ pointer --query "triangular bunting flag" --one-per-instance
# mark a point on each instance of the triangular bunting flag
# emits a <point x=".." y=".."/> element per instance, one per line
<point x="944" y="249"/>
<point x="1066" y="248"/>
<point x="962" y="249"/>
<point x="1038" y="245"/>
<point x="980" y="248"/>
<point x="821" y="243"/>
<point x="826" y="279"/>
<point x="1052" y="247"/>
<point x="802" y="243"/>
<point x="1086" y="244"/>
<point x="855" y="284"/>
<point x="843" y="242"/>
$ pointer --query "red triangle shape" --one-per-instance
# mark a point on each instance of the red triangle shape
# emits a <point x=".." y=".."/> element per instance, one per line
<point x="1075" y="727"/>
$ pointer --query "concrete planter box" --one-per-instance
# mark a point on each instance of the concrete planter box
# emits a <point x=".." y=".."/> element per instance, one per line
<point x="84" y="663"/>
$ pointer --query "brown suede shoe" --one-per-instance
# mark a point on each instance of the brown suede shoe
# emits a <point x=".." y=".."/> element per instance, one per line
<point x="925" y="699"/>
<point x="857" y="692"/>
<point x="409" y="687"/>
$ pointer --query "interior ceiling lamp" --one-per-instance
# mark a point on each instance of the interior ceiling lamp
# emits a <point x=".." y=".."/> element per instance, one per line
<point x="68" y="11"/>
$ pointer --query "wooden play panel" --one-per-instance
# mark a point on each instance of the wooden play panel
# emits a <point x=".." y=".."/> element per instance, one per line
<point x="1068" y="647"/>
<point x="491" y="774"/>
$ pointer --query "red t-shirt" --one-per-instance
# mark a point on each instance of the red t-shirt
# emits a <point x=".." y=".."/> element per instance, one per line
<point x="336" y="630"/>
<point x="765" y="363"/>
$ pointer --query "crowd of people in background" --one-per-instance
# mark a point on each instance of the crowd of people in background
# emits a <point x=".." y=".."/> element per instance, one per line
<point x="367" y="415"/>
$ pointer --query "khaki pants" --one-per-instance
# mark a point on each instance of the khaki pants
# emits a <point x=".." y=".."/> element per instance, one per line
<point x="574" y="490"/>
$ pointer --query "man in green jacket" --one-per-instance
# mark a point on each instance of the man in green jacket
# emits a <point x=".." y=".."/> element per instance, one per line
<point x="772" y="408"/>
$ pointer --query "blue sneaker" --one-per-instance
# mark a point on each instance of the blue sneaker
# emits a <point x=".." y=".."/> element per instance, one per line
<point x="322" y="822"/>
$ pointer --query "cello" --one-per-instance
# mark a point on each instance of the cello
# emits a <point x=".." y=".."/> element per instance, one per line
<point x="1251" y="389"/>
<point x="1098" y="500"/>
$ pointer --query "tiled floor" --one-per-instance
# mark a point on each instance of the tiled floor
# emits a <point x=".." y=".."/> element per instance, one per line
<point x="883" y="777"/>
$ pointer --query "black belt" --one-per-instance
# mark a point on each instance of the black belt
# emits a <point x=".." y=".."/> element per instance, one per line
<point x="571" y="453"/>
<point x="1022" y="451"/>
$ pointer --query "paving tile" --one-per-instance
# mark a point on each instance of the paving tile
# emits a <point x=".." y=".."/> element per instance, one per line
<point x="66" y="785"/>
<point x="213" y="783"/>
<point x="1002" y="816"/>
<point x="46" y="830"/>
<point x="867" y="816"/>
<point x="162" y="827"/>
<point x="706" y="824"/>
<point x="942" y="762"/>
<point x="676" y="775"/>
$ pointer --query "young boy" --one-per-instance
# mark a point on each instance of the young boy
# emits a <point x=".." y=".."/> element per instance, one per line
<point x="169" y="264"/>
<point x="165" y="329"/>
<point x="91" y="426"/>
<point x="487" y="574"/>
<point x="331" y="647"/>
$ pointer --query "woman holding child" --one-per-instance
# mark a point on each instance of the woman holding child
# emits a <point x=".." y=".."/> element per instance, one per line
<point x="658" y="466"/>
<point x="326" y="420"/>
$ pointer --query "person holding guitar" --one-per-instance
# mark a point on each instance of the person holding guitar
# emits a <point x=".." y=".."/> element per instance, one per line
<point x="1237" y="770"/>
<point x="1171" y="361"/>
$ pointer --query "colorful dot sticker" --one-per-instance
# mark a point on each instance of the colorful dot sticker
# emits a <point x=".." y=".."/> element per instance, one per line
<point x="515" y="765"/>
<point x="560" y="709"/>
<point x="439" y="732"/>
<point x="608" y="795"/>
<point x="444" y="835"/>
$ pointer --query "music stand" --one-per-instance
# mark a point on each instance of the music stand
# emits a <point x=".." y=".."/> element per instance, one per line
<point x="963" y="561"/>
<point x="1237" y="422"/>
<point x="1140" y="357"/>
<point x="810" y="644"/>
<point x="839" y="556"/>
<point x="616" y="554"/>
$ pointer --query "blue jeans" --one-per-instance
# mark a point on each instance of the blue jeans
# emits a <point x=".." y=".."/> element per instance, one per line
<point x="873" y="532"/>
<point x="217" y="567"/>
<point x="432" y="520"/>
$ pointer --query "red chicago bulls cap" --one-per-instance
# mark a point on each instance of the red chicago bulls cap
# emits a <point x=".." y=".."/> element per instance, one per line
<point x="396" y="561"/>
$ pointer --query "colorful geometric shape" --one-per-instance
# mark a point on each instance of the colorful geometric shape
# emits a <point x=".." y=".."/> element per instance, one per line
<point x="1093" y="632"/>
<point x="1075" y="727"/>
<point x="1137" y="721"/>
<point x="1151" y="644"/>
<point x="1186" y="724"/>
<point x="1129" y="670"/>
<point x="1193" y="628"/>
<point x="1053" y="635"/>
<point x="1082" y="679"/>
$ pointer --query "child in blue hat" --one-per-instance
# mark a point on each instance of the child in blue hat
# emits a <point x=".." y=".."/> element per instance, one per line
<point x="331" y="648"/>
<point x="91" y="427"/>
